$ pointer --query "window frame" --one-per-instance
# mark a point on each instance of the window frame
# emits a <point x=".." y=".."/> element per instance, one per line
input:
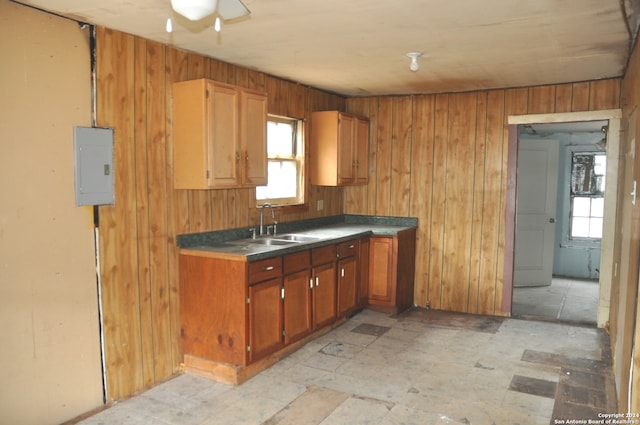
<point x="300" y="158"/>
<point x="568" y="239"/>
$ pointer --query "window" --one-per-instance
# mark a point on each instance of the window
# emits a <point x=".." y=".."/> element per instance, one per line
<point x="285" y="163"/>
<point x="588" y="170"/>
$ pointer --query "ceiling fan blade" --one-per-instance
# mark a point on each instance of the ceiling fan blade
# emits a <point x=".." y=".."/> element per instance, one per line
<point x="231" y="9"/>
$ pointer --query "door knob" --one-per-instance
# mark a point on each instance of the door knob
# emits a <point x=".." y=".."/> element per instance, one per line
<point x="552" y="220"/>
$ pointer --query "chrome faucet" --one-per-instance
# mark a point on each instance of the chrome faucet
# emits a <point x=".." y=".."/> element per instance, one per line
<point x="273" y="218"/>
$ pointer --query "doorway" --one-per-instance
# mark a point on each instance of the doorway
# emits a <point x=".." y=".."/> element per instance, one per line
<point x="561" y="167"/>
<point x="563" y="128"/>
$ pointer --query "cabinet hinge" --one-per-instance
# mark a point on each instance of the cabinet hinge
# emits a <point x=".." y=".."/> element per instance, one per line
<point x="248" y="300"/>
<point x="284" y="333"/>
<point x="248" y="348"/>
<point x="208" y="173"/>
<point x="282" y="292"/>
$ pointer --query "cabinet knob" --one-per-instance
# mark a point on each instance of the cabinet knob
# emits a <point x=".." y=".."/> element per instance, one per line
<point x="268" y="268"/>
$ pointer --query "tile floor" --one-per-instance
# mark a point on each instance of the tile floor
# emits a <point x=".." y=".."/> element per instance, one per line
<point x="421" y="367"/>
<point x="566" y="300"/>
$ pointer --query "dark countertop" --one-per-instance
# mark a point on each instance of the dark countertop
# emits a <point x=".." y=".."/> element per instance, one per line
<point x="237" y="243"/>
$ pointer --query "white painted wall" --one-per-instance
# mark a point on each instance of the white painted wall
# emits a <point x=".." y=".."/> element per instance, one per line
<point x="49" y="336"/>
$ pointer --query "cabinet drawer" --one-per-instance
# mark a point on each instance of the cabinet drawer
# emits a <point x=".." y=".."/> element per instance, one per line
<point x="324" y="254"/>
<point x="297" y="261"/>
<point x="265" y="269"/>
<point x="348" y="248"/>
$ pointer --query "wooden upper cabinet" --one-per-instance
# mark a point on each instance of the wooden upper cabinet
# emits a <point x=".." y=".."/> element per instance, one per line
<point x="253" y="136"/>
<point x="219" y="135"/>
<point x="362" y="151"/>
<point x="339" y="149"/>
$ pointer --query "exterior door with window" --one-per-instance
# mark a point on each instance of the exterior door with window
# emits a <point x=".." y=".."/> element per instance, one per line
<point x="537" y="183"/>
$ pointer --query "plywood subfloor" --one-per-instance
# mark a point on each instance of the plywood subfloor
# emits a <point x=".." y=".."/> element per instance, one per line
<point x="416" y="368"/>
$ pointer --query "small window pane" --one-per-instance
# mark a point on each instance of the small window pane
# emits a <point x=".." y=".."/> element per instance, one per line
<point x="581" y="207"/>
<point x="281" y="137"/>
<point x="281" y="175"/>
<point x="600" y="166"/>
<point x="595" y="228"/>
<point x="580" y="227"/>
<point x="597" y="207"/>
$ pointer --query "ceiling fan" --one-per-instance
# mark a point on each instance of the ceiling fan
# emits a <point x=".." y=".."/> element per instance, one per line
<point x="195" y="10"/>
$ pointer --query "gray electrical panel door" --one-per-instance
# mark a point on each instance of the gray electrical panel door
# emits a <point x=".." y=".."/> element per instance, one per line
<point x="93" y="149"/>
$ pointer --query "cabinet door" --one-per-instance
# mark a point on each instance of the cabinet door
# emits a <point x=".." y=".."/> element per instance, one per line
<point x="324" y="294"/>
<point x="361" y="148"/>
<point x="213" y="308"/>
<point x="265" y="318"/>
<point x="190" y="151"/>
<point x="297" y="305"/>
<point x="253" y="137"/>
<point x="347" y="284"/>
<point x="381" y="270"/>
<point x="346" y="161"/>
<point x="223" y="138"/>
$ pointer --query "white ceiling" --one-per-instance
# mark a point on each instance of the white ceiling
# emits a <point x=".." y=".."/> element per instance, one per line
<point x="358" y="47"/>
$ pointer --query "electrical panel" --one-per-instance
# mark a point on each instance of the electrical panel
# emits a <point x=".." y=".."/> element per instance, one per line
<point x="93" y="148"/>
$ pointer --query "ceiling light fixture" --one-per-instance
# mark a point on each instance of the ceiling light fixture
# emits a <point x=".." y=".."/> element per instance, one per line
<point x="414" y="66"/>
<point x="194" y="10"/>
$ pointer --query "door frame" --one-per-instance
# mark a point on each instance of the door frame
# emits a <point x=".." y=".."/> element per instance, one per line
<point x="607" y="267"/>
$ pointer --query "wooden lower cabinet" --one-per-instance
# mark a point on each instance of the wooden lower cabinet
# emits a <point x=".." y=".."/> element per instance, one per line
<point x="323" y="295"/>
<point x="348" y="277"/>
<point x="297" y="296"/>
<point x="382" y="270"/>
<point x="347" y="285"/>
<point x="239" y="317"/>
<point x="391" y="271"/>
<point x="213" y="309"/>
<point x="265" y="318"/>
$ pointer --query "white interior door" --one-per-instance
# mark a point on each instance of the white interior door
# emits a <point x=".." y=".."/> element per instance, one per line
<point x="537" y="185"/>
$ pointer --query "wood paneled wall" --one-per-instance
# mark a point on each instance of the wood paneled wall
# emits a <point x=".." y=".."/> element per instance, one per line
<point x="138" y="234"/>
<point x="625" y="312"/>
<point x="443" y="158"/>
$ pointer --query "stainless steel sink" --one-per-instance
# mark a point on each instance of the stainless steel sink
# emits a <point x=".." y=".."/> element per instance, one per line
<point x="277" y="240"/>
<point x="297" y="238"/>
<point x="270" y="241"/>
